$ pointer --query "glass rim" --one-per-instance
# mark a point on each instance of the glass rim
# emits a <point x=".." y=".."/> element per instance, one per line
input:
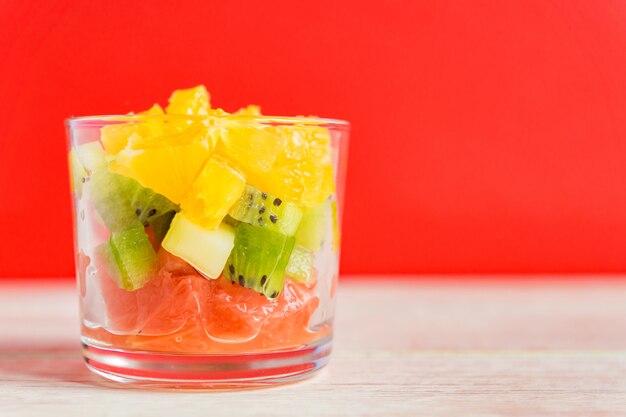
<point x="101" y="120"/>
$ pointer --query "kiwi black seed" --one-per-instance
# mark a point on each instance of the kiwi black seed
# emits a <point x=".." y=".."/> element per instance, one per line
<point x="279" y="216"/>
<point x="123" y="203"/>
<point x="149" y="205"/>
<point x="259" y="258"/>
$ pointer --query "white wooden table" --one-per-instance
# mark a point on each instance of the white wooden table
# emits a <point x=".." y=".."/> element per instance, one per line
<point x="402" y="348"/>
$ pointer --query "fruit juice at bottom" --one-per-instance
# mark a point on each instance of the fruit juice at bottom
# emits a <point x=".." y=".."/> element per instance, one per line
<point x="209" y="235"/>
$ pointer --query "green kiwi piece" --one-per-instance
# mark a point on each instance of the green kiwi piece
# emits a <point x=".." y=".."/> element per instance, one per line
<point x="300" y="265"/>
<point x="129" y="258"/>
<point x="123" y="203"/>
<point x="263" y="209"/>
<point x="83" y="160"/>
<point x="147" y="204"/>
<point x="109" y="195"/>
<point x="259" y="259"/>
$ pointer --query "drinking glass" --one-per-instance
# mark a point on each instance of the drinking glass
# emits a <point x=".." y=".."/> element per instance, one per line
<point x="207" y="248"/>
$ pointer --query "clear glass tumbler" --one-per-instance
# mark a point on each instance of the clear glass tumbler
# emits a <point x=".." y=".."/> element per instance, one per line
<point x="207" y="247"/>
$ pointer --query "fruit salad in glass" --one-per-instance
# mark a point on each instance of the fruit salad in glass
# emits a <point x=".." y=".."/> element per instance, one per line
<point x="207" y="242"/>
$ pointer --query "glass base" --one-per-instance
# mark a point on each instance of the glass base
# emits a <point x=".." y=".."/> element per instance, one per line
<point x="185" y="371"/>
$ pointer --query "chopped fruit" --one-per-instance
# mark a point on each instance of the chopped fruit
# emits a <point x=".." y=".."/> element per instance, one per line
<point x="122" y="202"/>
<point x="174" y="132"/>
<point x="129" y="258"/>
<point x="147" y="132"/>
<point x="206" y="229"/>
<point x="161" y="307"/>
<point x="108" y="193"/>
<point x="305" y="143"/>
<point x="259" y="259"/>
<point x="77" y="174"/>
<point x="147" y="204"/>
<point x="310" y="233"/>
<point x="154" y="110"/>
<point x="302" y="183"/>
<point x="91" y="156"/>
<point x="207" y="250"/>
<point x="226" y="320"/>
<point x="290" y="320"/>
<point x="302" y="172"/>
<point x="300" y="266"/>
<point x="259" y="208"/>
<point x="251" y="110"/>
<point x="173" y="265"/>
<point x="115" y="136"/>
<point x="190" y="314"/>
<point x="169" y="166"/>
<point x="253" y="149"/>
<point x="215" y="190"/>
<point x="191" y="101"/>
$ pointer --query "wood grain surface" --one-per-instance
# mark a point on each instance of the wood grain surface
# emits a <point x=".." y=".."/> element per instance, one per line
<point x="402" y="348"/>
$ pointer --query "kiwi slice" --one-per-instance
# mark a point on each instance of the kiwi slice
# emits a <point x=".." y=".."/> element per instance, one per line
<point x="83" y="160"/>
<point x="300" y="265"/>
<point x="147" y="204"/>
<point x="312" y="229"/>
<point x="123" y="203"/>
<point x="263" y="209"/>
<point x="129" y="258"/>
<point x="259" y="259"/>
<point x="109" y="195"/>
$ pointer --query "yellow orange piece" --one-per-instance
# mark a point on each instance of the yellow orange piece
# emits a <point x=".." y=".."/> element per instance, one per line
<point x="168" y="166"/>
<point x="213" y="193"/>
<point x="173" y="132"/>
<point x="114" y="137"/>
<point x="156" y="109"/>
<point x="302" y="172"/>
<point x="305" y="143"/>
<point x="304" y="183"/>
<point x="190" y="101"/>
<point x="253" y="149"/>
<point x="251" y="110"/>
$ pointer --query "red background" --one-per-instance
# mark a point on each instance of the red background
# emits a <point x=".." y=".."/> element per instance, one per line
<point x="488" y="136"/>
